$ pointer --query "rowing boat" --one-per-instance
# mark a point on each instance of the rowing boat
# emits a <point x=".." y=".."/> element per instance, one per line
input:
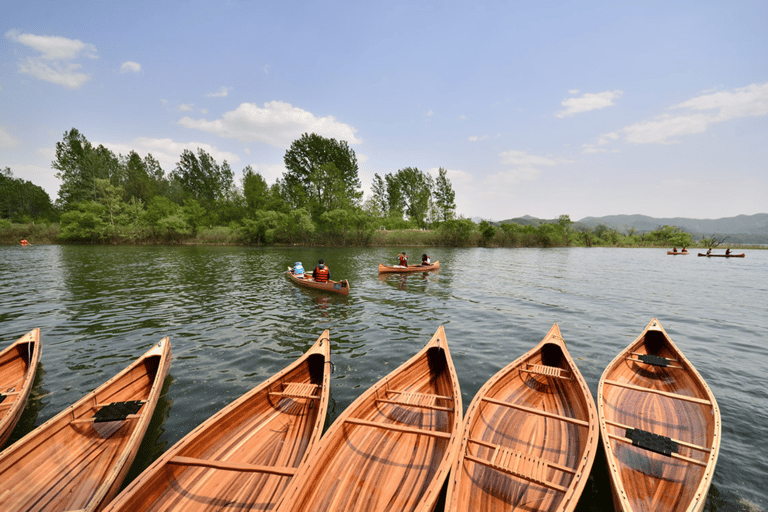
<point x="675" y="253"/>
<point x="244" y="456"/>
<point x="18" y="365"/>
<point x="530" y="436"/>
<point x="306" y="280"/>
<point x="722" y="255"/>
<point x="410" y="268"/>
<point x="393" y="447"/>
<point x="77" y="460"/>
<point x="660" y="427"/>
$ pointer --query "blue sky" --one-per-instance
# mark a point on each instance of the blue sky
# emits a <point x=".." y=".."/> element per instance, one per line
<point x="534" y="108"/>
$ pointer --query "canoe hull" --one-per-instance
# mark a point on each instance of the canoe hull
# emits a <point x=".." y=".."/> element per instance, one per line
<point x="74" y="462"/>
<point x="18" y="366"/>
<point x="392" y="448"/>
<point x="660" y="427"/>
<point x="410" y="268"/>
<point x="535" y="413"/>
<point x="340" y="287"/>
<point x="228" y="458"/>
<point x="722" y="255"/>
<point x="679" y="253"/>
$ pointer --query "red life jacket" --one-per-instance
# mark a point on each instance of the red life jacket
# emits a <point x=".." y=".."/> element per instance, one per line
<point x="404" y="261"/>
<point x="321" y="274"/>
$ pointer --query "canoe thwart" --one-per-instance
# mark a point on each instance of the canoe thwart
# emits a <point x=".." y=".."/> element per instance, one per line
<point x="519" y="465"/>
<point x="675" y="456"/>
<point x="549" y="371"/>
<point x="654" y="360"/>
<point x="539" y="412"/>
<point x="399" y="428"/>
<point x="298" y="390"/>
<point x="668" y="394"/>
<point x="232" y="466"/>
<point x="413" y="399"/>
<point x="650" y="441"/>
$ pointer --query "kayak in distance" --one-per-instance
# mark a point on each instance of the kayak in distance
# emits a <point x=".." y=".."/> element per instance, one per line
<point x="722" y="255"/>
<point x="410" y="268"/>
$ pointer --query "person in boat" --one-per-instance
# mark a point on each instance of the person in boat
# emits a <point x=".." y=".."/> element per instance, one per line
<point x="674" y="249"/>
<point x="684" y="250"/>
<point x="728" y="251"/>
<point x="24" y="241"/>
<point x="322" y="273"/>
<point x="298" y="269"/>
<point x="425" y="260"/>
<point x="403" y="259"/>
<point x="709" y="251"/>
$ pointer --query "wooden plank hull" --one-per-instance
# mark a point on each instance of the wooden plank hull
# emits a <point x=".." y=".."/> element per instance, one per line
<point x="18" y="366"/>
<point x="673" y="253"/>
<point x="340" y="287"/>
<point x="722" y="255"/>
<point x="530" y="436"/>
<point x="650" y="387"/>
<point x="410" y="268"/>
<point x="73" y="462"/>
<point x="244" y="456"/>
<point x="392" y="448"/>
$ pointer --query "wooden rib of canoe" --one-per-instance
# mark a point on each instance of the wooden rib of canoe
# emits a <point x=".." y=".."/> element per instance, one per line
<point x="722" y="255"/>
<point x="675" y="253"/>
<point x="77" y="460"/>
<point x="410" y="268"/>
<point x="341" y="287"/>
<point x="18" y="365"/>
<point x="393" y="447"/>
<point x="244" y="456"/>
<point x="660" y="426"/>
<point x="530" y="436"/>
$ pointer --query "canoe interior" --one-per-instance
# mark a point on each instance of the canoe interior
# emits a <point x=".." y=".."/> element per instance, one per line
<point x="530" y="438"/>
<point x="687" y="414"/>
<point x="215" y="466"/>
<point x="18" y="365"/>
<point x="392" y="448"/>
<point x="73" y="463"/>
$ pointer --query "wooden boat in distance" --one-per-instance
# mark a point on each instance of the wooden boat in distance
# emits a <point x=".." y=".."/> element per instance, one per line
<point x="393" y="447"/>
<point x="18" y="365"/>
<point x="306" y="280"/>
<point x="660" y="427"/>
<point x="675" y="253"/>
<point x="77" y="460"/>
<point x="410" y="268"/>
<point x="722" y="255"/>
<point x="244" y="456"/>
<point x="530" y="436"/>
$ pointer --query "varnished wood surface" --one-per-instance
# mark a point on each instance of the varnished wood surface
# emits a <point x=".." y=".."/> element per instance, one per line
<point x="18" y="365"/>
<point x="340" y="287"/>
<point x="66" y="464"/>
<point x="392" y="448"/>
<point x="671" y="401"/>
<point x="530" y="436"/>
<point x="244" y="456"/>
<point x="410" y="268"/>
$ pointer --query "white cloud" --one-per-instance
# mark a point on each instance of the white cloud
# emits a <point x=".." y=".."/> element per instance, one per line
<point x="54" y="63"/>
<point x="588" y="102"/>
<point x="7" y="140"/>
<point x="223" y="92"/>
<point x="703" y="111"/>
<point x="168" y="151"/>
<point x="521" y="158"/>
<point x="277" y="124"/>
<point x="130" y="67"/>
<point x="185" y="107"/>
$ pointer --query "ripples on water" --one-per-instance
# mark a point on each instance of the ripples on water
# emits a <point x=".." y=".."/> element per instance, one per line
<point x="234" y="320"/>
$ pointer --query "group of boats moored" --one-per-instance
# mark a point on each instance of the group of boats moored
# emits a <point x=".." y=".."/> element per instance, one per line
<point x="528" y="440"/>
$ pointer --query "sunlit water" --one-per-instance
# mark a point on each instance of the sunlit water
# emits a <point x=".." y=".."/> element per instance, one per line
<point x="234" y="320"/>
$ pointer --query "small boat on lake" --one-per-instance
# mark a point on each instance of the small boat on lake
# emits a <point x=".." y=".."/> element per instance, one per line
<point x="244" y="456"/>
<point x="410" y="268"/>
<point x="660" y="427"/>
<point x="18" y="366"/>
<point x="393" y="447"/>
<point x="675" y="253"/>
<point x="306" y="280"/>
<point x="77" y="460"/>
<point x="722" y="255"/>
<point x="530" y="436"/>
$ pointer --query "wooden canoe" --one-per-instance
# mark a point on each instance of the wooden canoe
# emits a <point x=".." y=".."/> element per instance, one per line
<point x="341" y="287"/>
<point x="244" y="456"/>
<point x="722" y="255"/>
<point x="530" y="436"/>
<point x="675" y="253"/>
<point x="410" y="268"/>
<point x="18" y="365"/>
<point x="660" y="427"/>
<point x="393" y="447"/>
<point x="77" y="460"/>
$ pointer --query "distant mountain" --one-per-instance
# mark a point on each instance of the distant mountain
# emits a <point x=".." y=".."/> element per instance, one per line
<point x="745" y="229"/>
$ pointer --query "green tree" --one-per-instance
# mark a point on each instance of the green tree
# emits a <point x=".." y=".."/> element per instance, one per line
<point x="378" y="204"/>
<point x="415" y="189"/>
<point x="202" y="179"/>
<point x="445" y="197"/>
<point x="80" y="165"/>
<point x="321" y="174"/>
<point x="22" y="200"/>
<point x="255" y="190"/>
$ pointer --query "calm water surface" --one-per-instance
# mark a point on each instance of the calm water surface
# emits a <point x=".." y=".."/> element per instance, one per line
<point x="234" y="320"/>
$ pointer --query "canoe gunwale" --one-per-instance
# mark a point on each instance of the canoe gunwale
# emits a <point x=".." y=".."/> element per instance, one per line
<point x="11" y="416"/>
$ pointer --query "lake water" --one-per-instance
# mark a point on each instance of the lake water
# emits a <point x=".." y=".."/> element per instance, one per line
<point x="234" y="320"/>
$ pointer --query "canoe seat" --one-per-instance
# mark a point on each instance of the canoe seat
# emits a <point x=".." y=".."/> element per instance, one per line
<point x="413" y="399"/>
<point x="519" y="465"/>
<point x="298" y="390"/>
<point x="650" y="441"/>
<point x="654" y="360"/>
<point x="232" y="466"/>
<point x="549" y="371"/>
<point x="117" y="411"/>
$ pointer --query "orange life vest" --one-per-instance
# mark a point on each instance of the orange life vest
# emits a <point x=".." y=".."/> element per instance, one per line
<point x="404" y="261"/>
<point x="321" y="274"/>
